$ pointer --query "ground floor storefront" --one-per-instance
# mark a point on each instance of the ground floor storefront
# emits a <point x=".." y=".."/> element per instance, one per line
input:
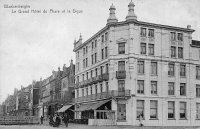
<point x="150" y="111"/>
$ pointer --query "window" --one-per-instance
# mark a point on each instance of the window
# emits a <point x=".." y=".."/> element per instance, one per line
<point x="180" y="37"/>
<point x="77" y="79"/>
<point x="102" y="38"/>
<point x="170" y="88"/>
<point x="101" y="88"/>
<point x="96" y="72"/>
<point x="140" y="108"/>
<point x="121" y="48"/>
<point x="87" y="75"/>
<point x="107" y="68"/>
<point x="153" y="109"/>
<point x="153" y="68"/>
<point x="198" y="111"/>
<point x="173" y="36"/>
<point x="101" y="70"/>
<point x="95" y="89"/>
<point x="140" y="87"/>
<point x="182" y="110"/>
<point x="91" y="90"/>
<point x="121" y="111"/>
<point x="107" y="87"/>
<point x="182" y="70"/>
<point x="171" y="71"/>
<point x="83" y="51"/>
<point x="121" y="85"/>
<point x="143" y="48"/>
<point x="106" y="52"/>
<point x="197" y="72"/>
<point x="95" y="57"/>
<point x="151" y="49"/>
<point x="121" y="65"/>
<point x="86" y="62"/>
<point x="86" y="91"/>
<point x="151" y="33"/>
<point x="83" y="78"/>
<point x="180" y="52"/>
<point x="95" y="43"/>
<point x="102" y="54"/>
<point x="83" y="63"/>
<point x="182" y="89"/>
<point x="92" y="59"/>
<point x="197" y="90"/>
<point x="173" y="51"/>
<point x="86" y="49"/>
<point x="171" y="110"/>
<point x="143" y="32"/>
<point x="91" y="74"/>
<point x="106" y="36"/>
<point x="77" y="93"/>
<point x="83" y="92"/>
<point x="140" y="67"/>
<point x="154" y="87"/>
<point x="92" y="45"/>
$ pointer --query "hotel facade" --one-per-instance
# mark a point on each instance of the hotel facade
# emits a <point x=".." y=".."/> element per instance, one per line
<point x="132" y="69"/>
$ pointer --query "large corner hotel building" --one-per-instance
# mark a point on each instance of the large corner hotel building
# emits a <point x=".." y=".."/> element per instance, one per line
<point x="134" y="68"/>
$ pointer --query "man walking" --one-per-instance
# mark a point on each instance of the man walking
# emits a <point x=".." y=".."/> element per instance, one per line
<point x="41" y="120"/>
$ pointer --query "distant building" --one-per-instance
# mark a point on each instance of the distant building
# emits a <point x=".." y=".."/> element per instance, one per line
<point x="132" y="69"/>
<point x="57" y="90"/>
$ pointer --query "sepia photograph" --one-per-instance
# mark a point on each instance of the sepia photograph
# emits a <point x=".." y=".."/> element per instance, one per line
<point x="100" y="64"/>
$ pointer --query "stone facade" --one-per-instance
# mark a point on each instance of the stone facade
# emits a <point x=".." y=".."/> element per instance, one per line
<point x="145" y="69"/>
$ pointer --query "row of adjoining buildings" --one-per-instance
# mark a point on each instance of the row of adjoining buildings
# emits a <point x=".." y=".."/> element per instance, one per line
<point x="131" y="69"/>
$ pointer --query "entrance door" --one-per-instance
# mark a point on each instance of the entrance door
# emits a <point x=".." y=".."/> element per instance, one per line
<point x="121" y="112"/>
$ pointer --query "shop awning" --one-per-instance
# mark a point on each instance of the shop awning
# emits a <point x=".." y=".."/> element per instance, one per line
<point x="64" y="108"/>
<point x="91" y="106"/>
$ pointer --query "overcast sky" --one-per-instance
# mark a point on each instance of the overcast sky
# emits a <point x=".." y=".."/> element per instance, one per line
<point x="32" y="45"/>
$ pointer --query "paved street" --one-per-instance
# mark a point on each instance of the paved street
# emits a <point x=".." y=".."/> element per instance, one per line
<point x="78" y="126"/>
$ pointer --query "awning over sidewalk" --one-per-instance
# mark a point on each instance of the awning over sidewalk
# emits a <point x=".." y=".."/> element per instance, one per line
<point x="64" y="108"/>
<point x="91" y="106"/>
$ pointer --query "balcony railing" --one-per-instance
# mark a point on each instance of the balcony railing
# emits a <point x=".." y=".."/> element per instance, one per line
<point x="121" y="74"/>
<point x="104" y="95"/>
<point x="105" y="77"/>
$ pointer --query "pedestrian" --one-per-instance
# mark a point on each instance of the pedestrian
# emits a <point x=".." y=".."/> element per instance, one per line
<point x="51" y="122"/>
<point x="66" y="119"/>
<point x="140" y="119"/>
<point x="41" y="120"/>
<point x="57" y="121"/>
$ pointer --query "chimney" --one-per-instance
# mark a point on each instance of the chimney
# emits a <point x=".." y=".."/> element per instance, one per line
<point x="112" y="18"/>
<point x="58" y="68"/>
<point x="188" y="26"/>
<point x="80" y="39"/>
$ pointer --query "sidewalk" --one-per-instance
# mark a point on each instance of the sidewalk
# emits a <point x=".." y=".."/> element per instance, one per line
<point x="81" y="126"/>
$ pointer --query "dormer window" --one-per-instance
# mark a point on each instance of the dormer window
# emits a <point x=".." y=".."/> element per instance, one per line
<point x="180" y="37"/>
<point x="143" y="32"/>
<point x="151" y="33"/>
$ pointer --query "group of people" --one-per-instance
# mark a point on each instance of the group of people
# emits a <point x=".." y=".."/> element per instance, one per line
<point x="55" y="120"/>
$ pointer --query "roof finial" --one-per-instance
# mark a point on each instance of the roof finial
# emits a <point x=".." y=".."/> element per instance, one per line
<point x="131" y="15"/>
<point x="112" y="18"/>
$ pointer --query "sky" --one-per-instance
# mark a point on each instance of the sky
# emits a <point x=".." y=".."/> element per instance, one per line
<point x="34" y="44"/>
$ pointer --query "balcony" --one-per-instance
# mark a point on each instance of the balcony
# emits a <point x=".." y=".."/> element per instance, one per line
<point x="100" y="78"/>
<point x="105" y="77"/>
<point x="94" y="80"/>
<point x="121" y="74"/>
<point x="104" y="95"/>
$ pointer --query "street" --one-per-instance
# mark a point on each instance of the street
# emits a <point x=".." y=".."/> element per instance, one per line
<point x="80" y="126"/>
